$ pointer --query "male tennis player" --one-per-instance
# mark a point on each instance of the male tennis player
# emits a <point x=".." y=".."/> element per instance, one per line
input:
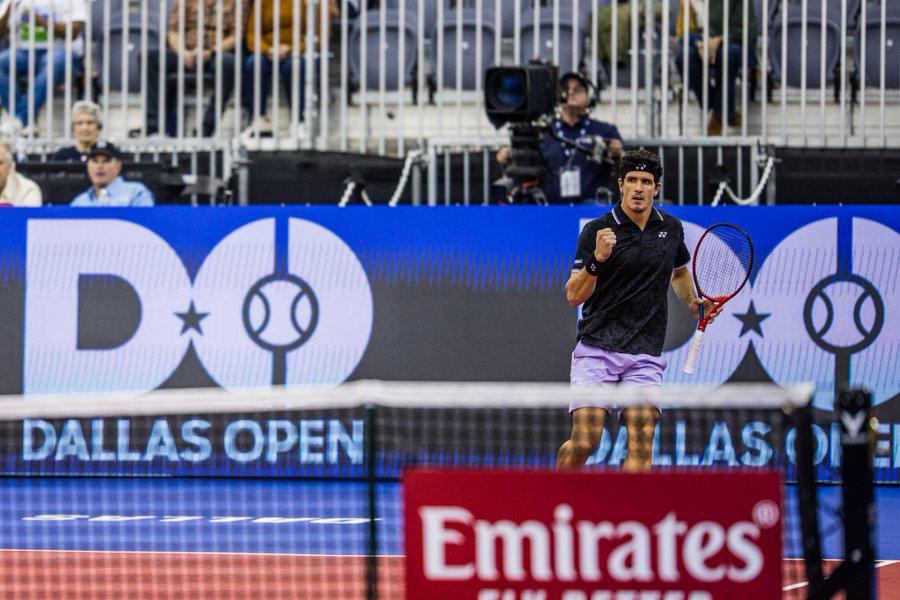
<point x="623" y="266"/>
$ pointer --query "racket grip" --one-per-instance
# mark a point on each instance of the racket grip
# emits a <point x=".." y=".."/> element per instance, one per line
<point x="693" y="353"/>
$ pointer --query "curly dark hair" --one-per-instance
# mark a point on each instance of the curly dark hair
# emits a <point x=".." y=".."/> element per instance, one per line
<point x="640" y="160"/>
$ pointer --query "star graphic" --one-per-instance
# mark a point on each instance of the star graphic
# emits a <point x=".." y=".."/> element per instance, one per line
<point x="191" y="319"/>
<point x="751" y="320"/>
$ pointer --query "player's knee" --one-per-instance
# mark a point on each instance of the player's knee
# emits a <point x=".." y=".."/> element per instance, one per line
<point x="641" y="435"/>
<point x="583" y="446"/>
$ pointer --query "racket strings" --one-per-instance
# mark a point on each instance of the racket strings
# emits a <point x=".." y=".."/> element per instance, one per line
<point x="723" y="261"/>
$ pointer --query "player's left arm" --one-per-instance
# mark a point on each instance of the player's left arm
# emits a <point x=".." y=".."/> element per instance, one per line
<point x="684" y="287"/>
<point x="683" y="284"/>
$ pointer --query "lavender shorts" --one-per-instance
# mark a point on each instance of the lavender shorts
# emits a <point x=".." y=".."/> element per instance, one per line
<point x="594" y="367"/>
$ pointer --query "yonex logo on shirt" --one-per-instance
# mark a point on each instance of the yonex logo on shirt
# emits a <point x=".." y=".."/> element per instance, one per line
<point x="663" y="233"/>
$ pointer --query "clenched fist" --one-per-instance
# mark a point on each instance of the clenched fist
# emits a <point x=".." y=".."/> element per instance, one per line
<point x="606" y="239"/>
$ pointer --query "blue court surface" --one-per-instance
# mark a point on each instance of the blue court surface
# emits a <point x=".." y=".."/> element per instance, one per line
<point x="262" y="516"/>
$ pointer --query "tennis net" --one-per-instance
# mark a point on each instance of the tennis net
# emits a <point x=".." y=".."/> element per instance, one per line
<point x="300" y="493"/>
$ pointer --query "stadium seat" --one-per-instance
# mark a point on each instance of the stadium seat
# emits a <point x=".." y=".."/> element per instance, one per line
<point x="394" y="29"/>
<point x="508" y="15"/>
<point x="584" y="11"/>
<point x="97" y="18"/>
<point x="873" y="47"/>
<point x="470" y="34"/>
<point x="430" y="11"/>
<point x="132" y="39"/>
<point x="119" y="39"/>
<point x="794" y="50"/>
<point x="758" y="11"/>
<point x="544" y="30"/>
<point x="507" y="11"/>
<point x="623" y="74"/>
<point x="834" y="10"/>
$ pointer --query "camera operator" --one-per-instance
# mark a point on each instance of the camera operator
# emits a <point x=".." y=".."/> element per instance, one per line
<point x="574" y="176"/>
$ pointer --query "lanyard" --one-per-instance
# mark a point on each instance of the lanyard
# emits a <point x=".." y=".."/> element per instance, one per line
<point x="566" y="149"/>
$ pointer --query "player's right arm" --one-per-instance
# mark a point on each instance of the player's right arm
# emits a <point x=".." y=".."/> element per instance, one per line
<point x="582" y="282"/>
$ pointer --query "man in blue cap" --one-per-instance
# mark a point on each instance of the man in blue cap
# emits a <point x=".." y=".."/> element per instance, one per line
<point x="104" y="165"/>
<point x="573" y="176"/>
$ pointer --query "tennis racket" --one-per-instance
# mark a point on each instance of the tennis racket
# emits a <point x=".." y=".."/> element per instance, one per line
<point x="722" y="262"/>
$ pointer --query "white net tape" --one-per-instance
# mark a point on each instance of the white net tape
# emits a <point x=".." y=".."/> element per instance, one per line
<point x="403" y="395"/>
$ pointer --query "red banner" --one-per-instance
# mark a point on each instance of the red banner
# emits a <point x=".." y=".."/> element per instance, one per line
<point x="508" y="535"/>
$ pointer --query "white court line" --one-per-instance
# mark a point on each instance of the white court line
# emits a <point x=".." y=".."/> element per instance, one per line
<point x="199" y="552"/>
<point x="878" y="565"/>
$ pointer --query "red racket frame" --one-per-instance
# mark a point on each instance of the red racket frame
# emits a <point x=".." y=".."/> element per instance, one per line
<point x="719" y="300"/>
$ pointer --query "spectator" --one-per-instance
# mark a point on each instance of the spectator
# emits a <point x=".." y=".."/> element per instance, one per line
<point x="104" y="164"/>
<point x="715" y="54"/>
<point x="18" y="190"/>
<point x="62" y="12"/>
<point x="622" y="40"/>
<point x="187" y="48"/>
<point x="269" y="54"/>
<point x="573" y="176"/>
<point x="86" y="126"/>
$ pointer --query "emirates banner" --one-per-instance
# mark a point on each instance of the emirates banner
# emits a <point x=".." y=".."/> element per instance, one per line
<point x="511" y="535"/>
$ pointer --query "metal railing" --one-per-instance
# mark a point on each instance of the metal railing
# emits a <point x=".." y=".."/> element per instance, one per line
<point x="462" y="170"/>
<point x="207" y="166"/>
<point x="385" y="77"/>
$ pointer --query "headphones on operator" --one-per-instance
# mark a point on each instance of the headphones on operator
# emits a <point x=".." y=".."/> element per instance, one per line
<point x="562" y="88"/>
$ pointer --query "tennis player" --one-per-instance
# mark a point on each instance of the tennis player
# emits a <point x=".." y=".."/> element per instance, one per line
<point x="623" y="266"/>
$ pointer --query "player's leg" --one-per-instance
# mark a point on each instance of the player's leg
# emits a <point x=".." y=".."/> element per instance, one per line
<point x="591" y="367"/>
<point x="640" y="423"/>
<point x="644" y="371"/>
<point x="587" y="427"/>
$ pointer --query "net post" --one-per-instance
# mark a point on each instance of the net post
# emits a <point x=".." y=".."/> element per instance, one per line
<point x="858" y="430"/>
<point x="856" y="574"/>
<point x="807" y="500"/>
<point x="369" y="424"/>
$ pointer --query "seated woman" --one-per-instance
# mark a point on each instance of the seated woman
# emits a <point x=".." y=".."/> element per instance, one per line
<point x="86" y="127"/>
<point x="274" y="59"/>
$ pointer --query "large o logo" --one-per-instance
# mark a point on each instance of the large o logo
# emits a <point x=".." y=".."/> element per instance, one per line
<point x="825" y="313"/>
<point x="280" y="312"/>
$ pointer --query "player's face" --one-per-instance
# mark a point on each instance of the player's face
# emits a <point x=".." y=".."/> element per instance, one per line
<point x="638" y="189"/>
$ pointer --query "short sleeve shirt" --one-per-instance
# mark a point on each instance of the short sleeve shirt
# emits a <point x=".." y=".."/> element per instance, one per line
<point x="117" y="193"/>
<point x="63" y="11"/>
<point x="627" y="311"/>
<point x="558" y="157"/>
<point x="193" y="13"/>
